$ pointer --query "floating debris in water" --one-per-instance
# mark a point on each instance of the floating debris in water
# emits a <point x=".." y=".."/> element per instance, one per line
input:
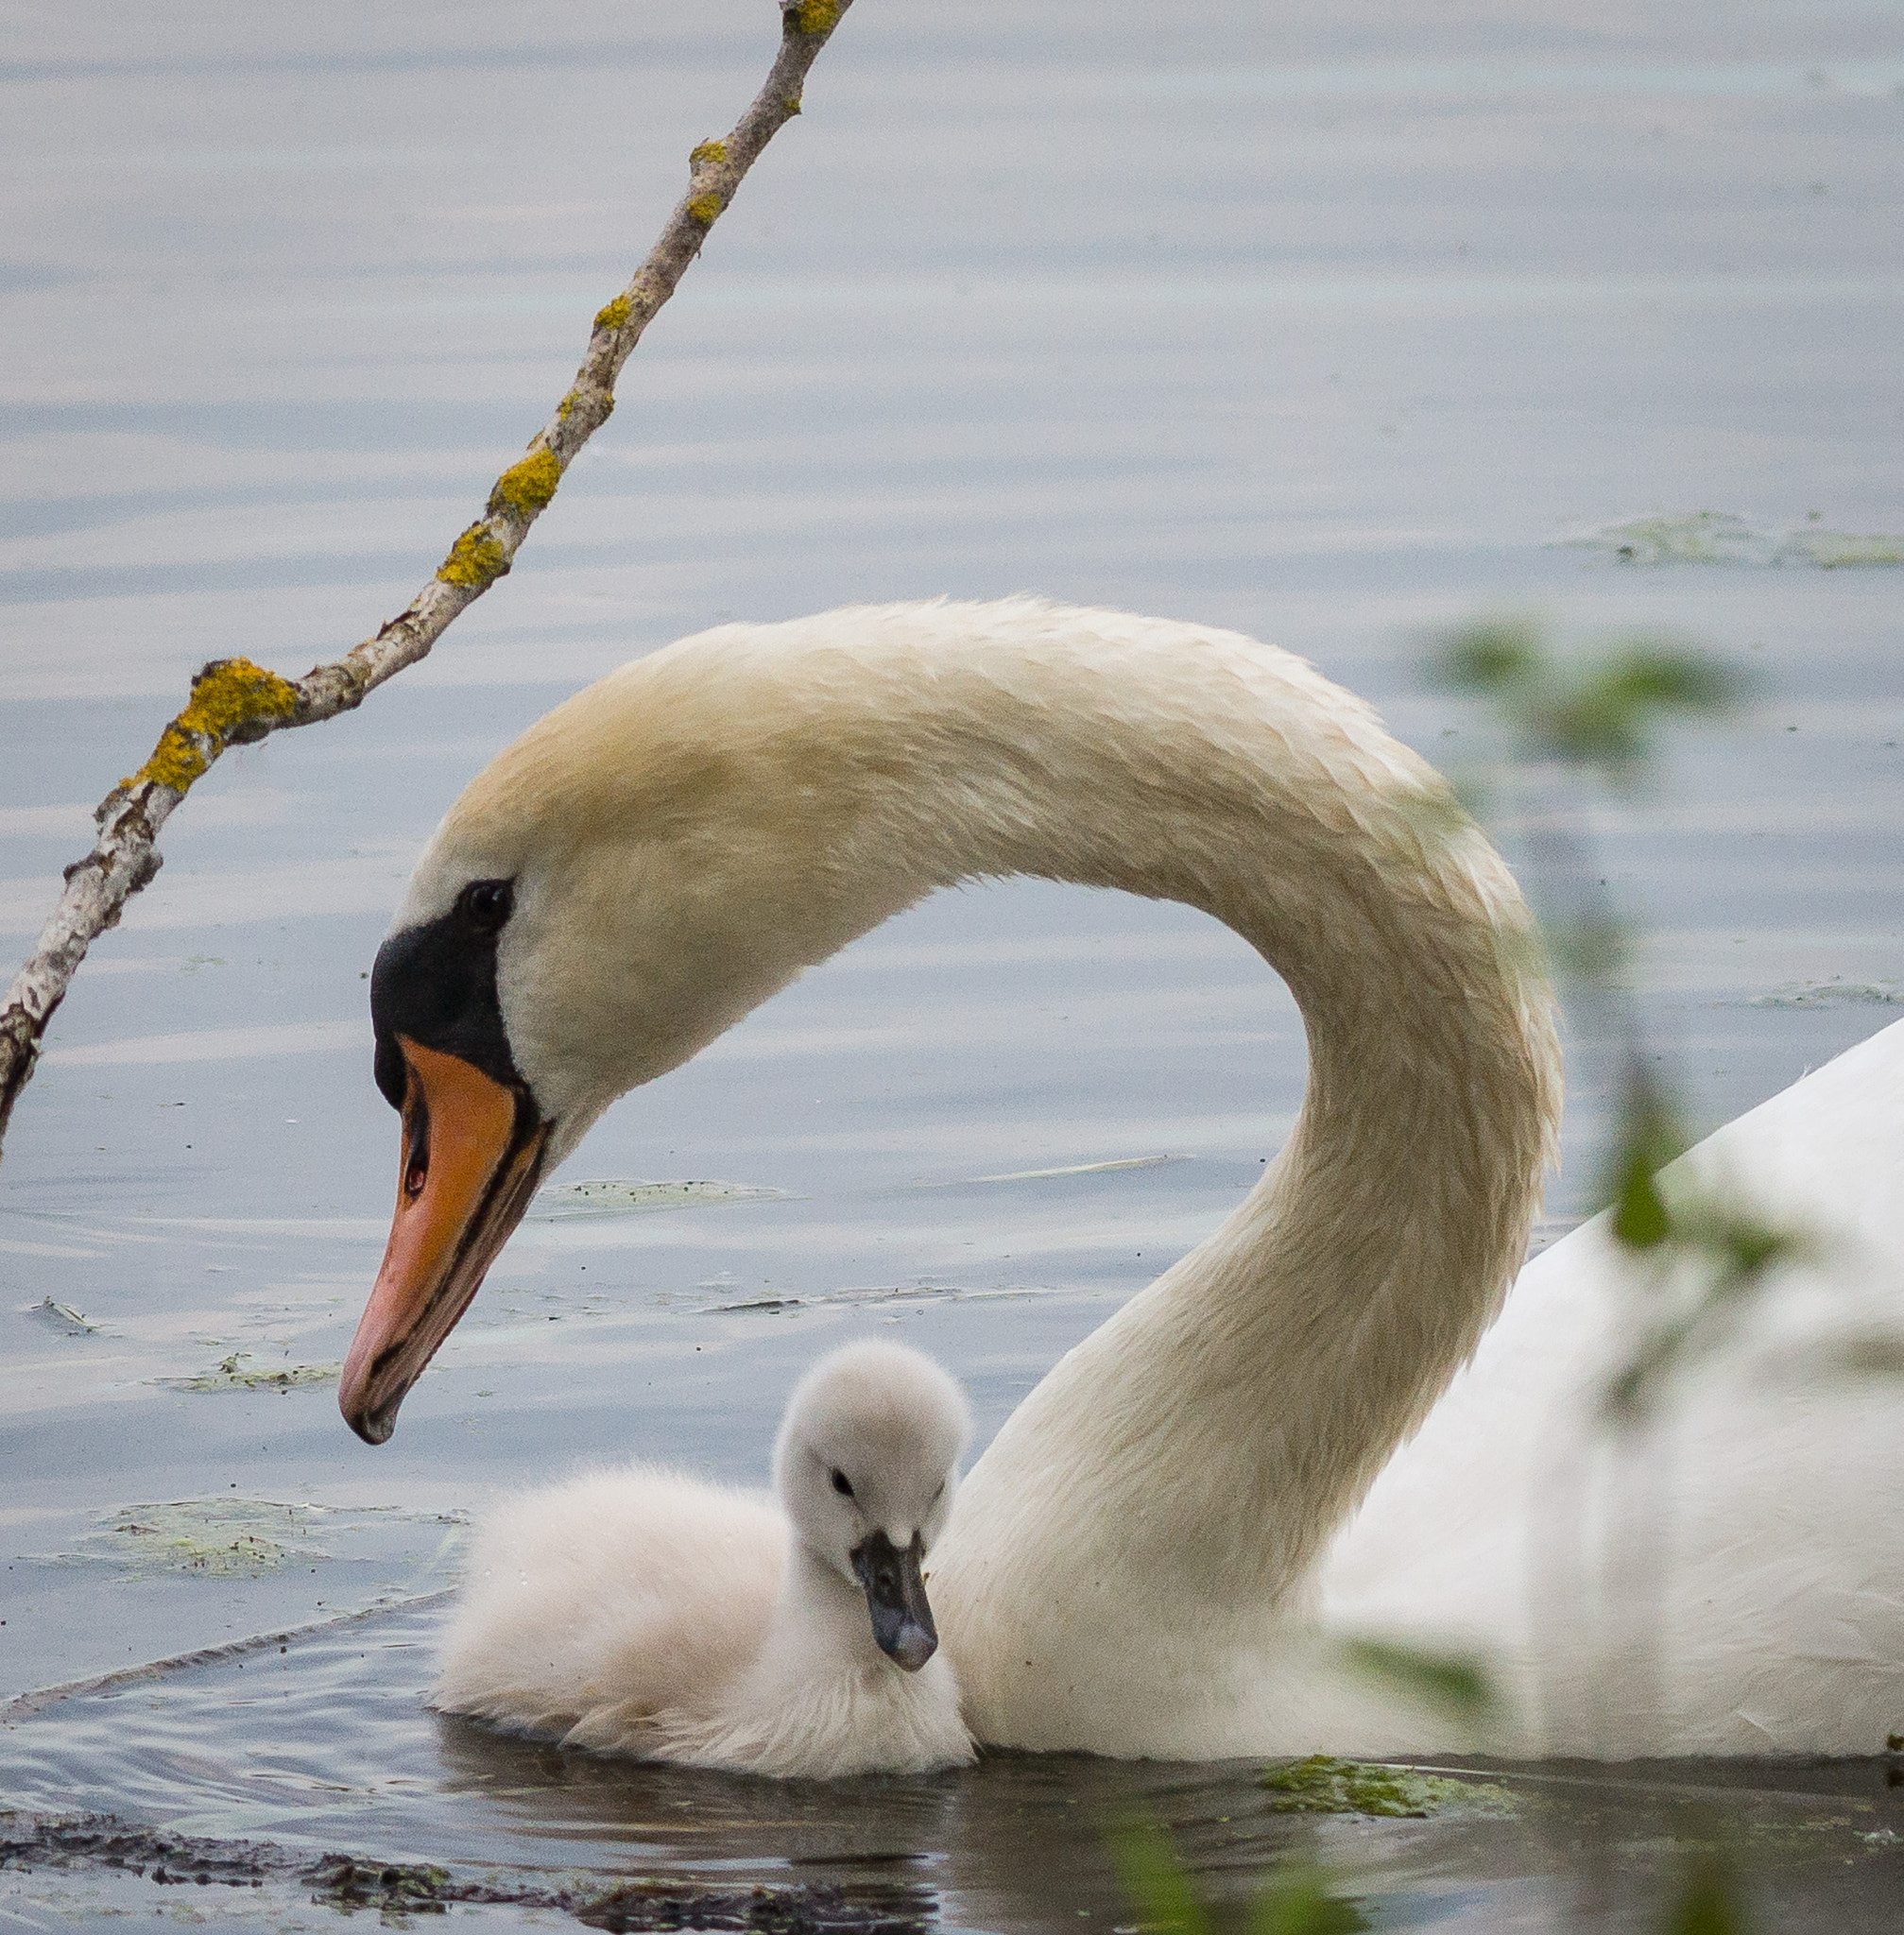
<point x="237" y="1538"/>
<point x="1717" y="537"/>
<point x="390" y="1887"/>
<point x="237" y="1372"/>
<point x="99" y="1840"/>
<point x="216" y="1538"/>
<point x="1831" y="994"/>
<point x="398" y="1889"/>
<point x="609" y="1196"/>
<point x="64" y="1318"/>
<point x="1324" y="1785"/>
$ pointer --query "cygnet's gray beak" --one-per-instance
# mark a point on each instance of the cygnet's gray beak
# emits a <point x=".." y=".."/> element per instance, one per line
<point x="896" y="1597"/>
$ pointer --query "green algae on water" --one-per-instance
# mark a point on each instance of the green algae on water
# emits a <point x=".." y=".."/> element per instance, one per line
<point x="234" y="1537"/>
<point x="237" y="1372"/>
<point x="1324" y="1785"/>
<point x="1833" y="994"/>
<point x="215" y="1539"/>
<point x="1717" y="537"/>
<point x="1831" y="550"/>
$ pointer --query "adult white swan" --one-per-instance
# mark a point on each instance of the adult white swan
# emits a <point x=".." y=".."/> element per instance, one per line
<point x="1137" y="1562"/>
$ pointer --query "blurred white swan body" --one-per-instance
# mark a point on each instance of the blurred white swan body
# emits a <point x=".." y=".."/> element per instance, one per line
<point x="1731" y="1582"/>
<point x="1144" y="1559"/>
<point x="645" y="1613"/>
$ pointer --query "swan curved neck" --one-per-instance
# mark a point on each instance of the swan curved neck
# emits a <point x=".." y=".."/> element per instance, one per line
<point x="758" y="796"/>
<point x="1224" y="1423"/>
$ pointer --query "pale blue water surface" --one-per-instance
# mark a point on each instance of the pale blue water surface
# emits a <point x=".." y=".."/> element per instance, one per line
<point x="1334" y="324"/>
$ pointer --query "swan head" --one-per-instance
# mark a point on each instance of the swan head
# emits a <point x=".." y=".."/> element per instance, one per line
<point x="866" y="1467"/>
<point x="615" y="890"/>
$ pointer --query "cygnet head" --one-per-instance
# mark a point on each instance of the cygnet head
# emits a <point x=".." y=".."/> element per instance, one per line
<point x="865" y="1466"/>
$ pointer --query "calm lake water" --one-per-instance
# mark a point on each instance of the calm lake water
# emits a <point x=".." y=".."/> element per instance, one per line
<point x="1335" y="325"/>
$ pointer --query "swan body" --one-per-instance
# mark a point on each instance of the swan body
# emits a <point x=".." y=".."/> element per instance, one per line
<point x="1152" y="1554"/>
<point x="1731" y="1579"/>
<point x="645" y="1613"/>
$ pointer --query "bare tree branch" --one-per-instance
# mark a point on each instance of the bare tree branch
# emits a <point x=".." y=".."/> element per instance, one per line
<point x="234" y="702"/>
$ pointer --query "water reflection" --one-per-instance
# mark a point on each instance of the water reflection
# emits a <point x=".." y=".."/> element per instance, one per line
<point x="327" y="1744"/>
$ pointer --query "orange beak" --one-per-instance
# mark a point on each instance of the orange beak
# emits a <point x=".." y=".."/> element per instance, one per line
<point x="473" y="1154"/>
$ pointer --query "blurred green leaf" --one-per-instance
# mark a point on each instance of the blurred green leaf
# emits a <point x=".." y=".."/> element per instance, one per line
<point x="1641" y="1218"/>
<point x="1713" y="1255"/>
<point x="1298" y="1901"/>
<point x="1649" y="1137"/>
<point x="1605" y="717"/>
<point x="1157" y="1882"/>
<point x="1601" y="714"/>
<point x="1453" y="1683"/>
<point x="1592" y="949"/>
<point x="1707" y="1257"/>
<point x="1495" y="656"/>
<point x="1735" y="1241"/>
<point x="1877" y="1354"/>
<point x="1670" y="676"/>
<point x="1709" y="1903"/>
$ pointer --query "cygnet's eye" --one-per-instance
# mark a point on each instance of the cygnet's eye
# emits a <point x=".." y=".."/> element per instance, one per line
<point x="842" y="1483"/>
<point x="487" y="904"/>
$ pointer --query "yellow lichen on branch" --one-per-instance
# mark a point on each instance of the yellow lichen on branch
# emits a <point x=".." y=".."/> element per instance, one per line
<point x="476" y="558"/>
<point x="234" y="702"/>
<point x="224" y="695"/>
<point x="528" y="487"/>
<point x="605" y="402"/>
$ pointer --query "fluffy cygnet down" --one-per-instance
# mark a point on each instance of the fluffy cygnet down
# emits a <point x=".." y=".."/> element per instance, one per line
<point x="647" y="1613"/>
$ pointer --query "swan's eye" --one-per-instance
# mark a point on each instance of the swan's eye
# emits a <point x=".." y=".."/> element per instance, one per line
<point x="487" y="904"/>
<point x="842" y="1483"/>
